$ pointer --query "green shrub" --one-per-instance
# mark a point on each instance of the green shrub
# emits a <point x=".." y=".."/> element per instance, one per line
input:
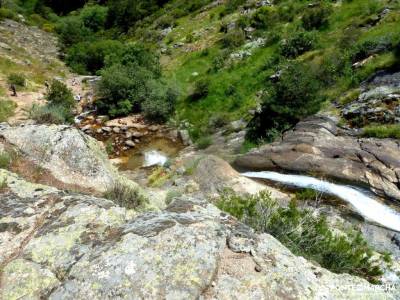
<point x="232" y="5"/>
<point x="204" y="142"/>
<point x="16" y="79"/>
<point x="132" y="82"/>
<point x="7" y="109"/>
<point x="90" y="57"/>
<point x="165" y="21"/>
<point x="71" y="30"/>
<point x="316" y="17"/>
<point x="50" y="114"/>
<point x="161" y="103"/>
<point x="297" y="44"/>
<point x="94" y="17"/>
<point x="287" y="12"/>
<point x="304" y="233"/>
<point x="201" y="89"/>
<point x="6" y="13"/>
<point x="233" y="38"/>
<point x="124" y="195"/>
<point x="5" y="160"/>
<point x="59" y="95"/>
<point x="382" y="131"/>
<point x="264" y="17"/>
<point x="374" y="46"/>
<point x="293" y="97"/>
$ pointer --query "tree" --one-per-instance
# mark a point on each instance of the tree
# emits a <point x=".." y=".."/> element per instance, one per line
<point x="131" y="82"/>
<point x="293" y="97"/>
<point x="94" y="17"/>
<point x="59" y="94"/>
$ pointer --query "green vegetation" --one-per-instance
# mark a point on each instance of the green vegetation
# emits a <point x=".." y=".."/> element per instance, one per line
<point x="18" y="80"/>
<point x="58" y="109"/>
<point x="304" y="233"/>
<point x="7" y="109"/>
<point x="60" y="94"/>
<point x="382" y="131"/>
<point x="204" y="142"/>
<point x="292" y="98"/>
<point x="211" y="57"/>
<point x="124" y="195"/>
<point x="50" y="114"/>
<point x="5" y="160"/>
<point x="132" y="82"/>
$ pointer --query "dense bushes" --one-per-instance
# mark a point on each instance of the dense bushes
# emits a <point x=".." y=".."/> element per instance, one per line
<point x="304" y="233"/>
<point x="316" y="17"/>
<point x="233" y="38"/>
<point x="264" y="17"/>
<point x="293" y="97"/>
<point x="297" y="44"/>
<point x="89" y="57"/>
<point x="94" y="17"/>
<point x="71" y="30"/>
<point x="132" y="82"/>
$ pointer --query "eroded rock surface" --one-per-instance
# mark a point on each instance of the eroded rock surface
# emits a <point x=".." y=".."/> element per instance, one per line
<point x="59" y="245"/>
<point x="318" y="145"/>
<point x="68" y="154"/>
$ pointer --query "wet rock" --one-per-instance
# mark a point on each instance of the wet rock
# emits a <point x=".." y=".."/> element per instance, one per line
<point x="317" y="145"/>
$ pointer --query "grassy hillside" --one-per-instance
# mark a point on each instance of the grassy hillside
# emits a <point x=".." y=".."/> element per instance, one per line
<point x="231" y="58"/>
<point x="352" y="32"/>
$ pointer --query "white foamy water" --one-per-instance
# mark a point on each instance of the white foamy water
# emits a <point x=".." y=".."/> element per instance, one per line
<point x="368" y="207"/>
<point x="154" y="158"/>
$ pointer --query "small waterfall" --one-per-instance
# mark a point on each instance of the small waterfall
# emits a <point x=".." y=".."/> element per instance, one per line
<point x="366" y="206"/>
<point x="154" y="158"/>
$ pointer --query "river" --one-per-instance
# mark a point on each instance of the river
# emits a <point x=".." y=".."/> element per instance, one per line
<point x="367" y="206"/>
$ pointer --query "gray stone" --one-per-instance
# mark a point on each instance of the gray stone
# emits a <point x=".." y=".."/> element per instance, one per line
<point x="130" y="143"/>
<point x="185" y="137"/>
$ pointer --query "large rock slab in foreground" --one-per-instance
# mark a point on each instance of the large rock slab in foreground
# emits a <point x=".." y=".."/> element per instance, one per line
<point x="317" y="145"/>
<point x="68" y="154"/>
<point x="55" y="245"/>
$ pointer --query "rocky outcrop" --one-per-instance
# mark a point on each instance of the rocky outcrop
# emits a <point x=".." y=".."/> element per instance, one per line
<point x="68" y="246"/>
<point x="379" y="101"/>
<point x="317" y="145"/>
<point x="69" y="155"/>
<point x="214" y="175"/>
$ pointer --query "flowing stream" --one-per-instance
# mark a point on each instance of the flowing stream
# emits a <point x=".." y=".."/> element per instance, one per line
<point x="154" y="158"/>
<point x="370" y="208"/>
